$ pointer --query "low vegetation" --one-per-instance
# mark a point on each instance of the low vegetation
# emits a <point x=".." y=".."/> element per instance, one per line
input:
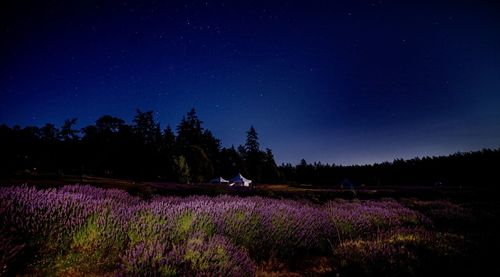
<point x="82" y="230"/>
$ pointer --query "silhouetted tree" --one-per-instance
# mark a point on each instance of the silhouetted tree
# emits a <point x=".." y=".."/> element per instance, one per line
<point x="49" y="132"/>
<point x="189" y="130"/>
<point x="168" y="139"/>
<point x="103" y="147"/>
<point x="198" y="146"/>
<point x="67" y="131"/>
<point x="147" y="129"/>
<point x="148" y="132"/>
<point x="252" y="142"/>
<point x="69" y="148"/>
<point x="270" y="169"/>
<point x="108" y="124"/>
<point x="166" y="159"/>
<point x="231" y="162"/>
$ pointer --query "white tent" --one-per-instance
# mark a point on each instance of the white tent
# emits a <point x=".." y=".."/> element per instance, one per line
<point x="219" y="180"/>
<point x="239" y="180"/>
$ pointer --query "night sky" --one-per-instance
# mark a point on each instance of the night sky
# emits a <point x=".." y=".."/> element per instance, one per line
<point x="342" y="82"/>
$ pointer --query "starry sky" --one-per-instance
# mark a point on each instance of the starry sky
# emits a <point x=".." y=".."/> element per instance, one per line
<point x="345" y="82"/>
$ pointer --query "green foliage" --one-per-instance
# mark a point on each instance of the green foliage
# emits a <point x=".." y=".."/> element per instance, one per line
<point x="182" y="170"/>
<point x="244" y="228"/>
<point x="87" y="238"/>
<point x="100" y="241"/>
<point x="184" y="224"/>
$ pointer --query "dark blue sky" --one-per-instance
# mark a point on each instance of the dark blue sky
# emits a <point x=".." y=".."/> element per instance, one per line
<point x="332" y="81"/>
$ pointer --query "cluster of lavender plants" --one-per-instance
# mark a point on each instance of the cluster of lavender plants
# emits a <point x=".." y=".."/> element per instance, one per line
<point x="368" y="218"/>
<point x="45" y="215"/>
<point x="195" y="235"/>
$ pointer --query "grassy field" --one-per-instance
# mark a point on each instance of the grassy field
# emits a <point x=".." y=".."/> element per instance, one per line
<point x="121" y="227"/>
<point x="317" y="194"/>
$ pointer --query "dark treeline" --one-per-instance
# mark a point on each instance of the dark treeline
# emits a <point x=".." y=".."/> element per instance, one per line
<point x="479" y="168"/>
<point x="143" y="150"/>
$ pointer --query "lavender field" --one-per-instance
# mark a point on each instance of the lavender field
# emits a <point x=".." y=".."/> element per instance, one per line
<point x="82" y="230"/>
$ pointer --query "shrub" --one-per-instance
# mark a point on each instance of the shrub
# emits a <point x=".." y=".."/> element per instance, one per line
<point x="400" y="252"/>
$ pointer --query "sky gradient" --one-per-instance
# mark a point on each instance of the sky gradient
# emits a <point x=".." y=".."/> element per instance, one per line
<point x="345" y="82"/>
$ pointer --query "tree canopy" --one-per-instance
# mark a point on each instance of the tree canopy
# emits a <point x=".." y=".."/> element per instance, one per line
<point x="141" y="150"/>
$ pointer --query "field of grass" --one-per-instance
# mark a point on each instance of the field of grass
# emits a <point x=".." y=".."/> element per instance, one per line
<point x="82" y="230"/>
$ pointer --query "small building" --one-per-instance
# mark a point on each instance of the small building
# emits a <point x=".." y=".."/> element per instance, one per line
<point x="219" y="180"/>
<point x="239" y="180"/>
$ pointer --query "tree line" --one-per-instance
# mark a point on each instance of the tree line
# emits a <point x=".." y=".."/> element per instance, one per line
<point x="143" y="150"/>
<point x="477" y="168"/>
